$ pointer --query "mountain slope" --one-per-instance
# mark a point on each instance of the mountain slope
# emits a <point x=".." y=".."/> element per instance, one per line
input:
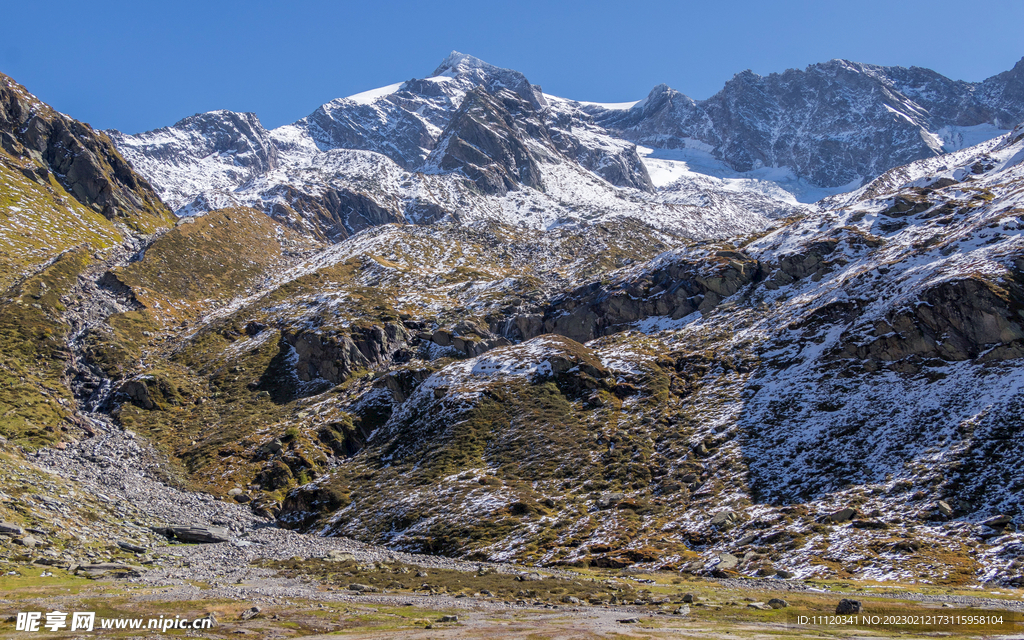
<point x="492" y="392"/>
<point x="546" y="367"/>
<point x="63" y="184"/>
<point x="67" y="200"/>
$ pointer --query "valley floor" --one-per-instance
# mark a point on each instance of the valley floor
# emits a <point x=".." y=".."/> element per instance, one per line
<point x="309" y="586"/>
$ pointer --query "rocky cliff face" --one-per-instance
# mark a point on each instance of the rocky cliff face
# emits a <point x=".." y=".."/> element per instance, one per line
<point x="83" y="161"/>
<point x="487" y="141"/>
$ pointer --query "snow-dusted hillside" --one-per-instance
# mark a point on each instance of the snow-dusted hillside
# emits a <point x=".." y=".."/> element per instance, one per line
<point x="581" y="352"/>
<point x="729" y="399"/>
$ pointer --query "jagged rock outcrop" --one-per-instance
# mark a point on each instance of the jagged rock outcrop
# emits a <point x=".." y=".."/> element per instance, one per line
<point x="333" y="357"/>
<point x="335" y="213"/>
<point x="83" y="161"/>
<point x="677" y="289"/>
<point x="955" y="320"/>
<point x="484" y="140"/>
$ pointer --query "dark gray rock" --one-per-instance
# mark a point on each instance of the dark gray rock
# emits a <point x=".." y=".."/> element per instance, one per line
<point x="134" y="548"/>
<point x="998" y="522"/>
<point x="848" y="607"/>
<point x="725" y="518"/>
<point x="727" y="562"/>
<point x="249" y="613"/>
<point x="485" y="141"/>
<point x="208" y="535"/>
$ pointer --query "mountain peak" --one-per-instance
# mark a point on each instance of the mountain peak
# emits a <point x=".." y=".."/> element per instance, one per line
<point x="221" y="115"/>
<point x="457" y="61"/>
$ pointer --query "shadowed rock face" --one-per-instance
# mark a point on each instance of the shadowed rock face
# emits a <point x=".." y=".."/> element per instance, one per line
<point x="334" y="214"/>
<point x="484" y="140"/>
<point x="954" y="321"/>
<point x="334" y="358"/>
<point x="676" y="290"/>
<point x="84" y="162"/>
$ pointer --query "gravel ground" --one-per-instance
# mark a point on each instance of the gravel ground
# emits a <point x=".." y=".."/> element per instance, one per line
<point x="123" y="467"/>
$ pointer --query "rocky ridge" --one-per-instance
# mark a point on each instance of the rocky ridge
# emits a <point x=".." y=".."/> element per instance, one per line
<point x="834" y="123"/>
<point x="470" y="142"/>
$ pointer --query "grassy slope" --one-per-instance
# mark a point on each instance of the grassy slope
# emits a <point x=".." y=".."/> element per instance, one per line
<point x="35" y="402"/>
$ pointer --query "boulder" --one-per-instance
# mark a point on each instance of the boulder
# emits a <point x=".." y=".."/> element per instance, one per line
<point x="207" y="535"/>
<point x="727" y="562"/>
<point x="249" y="613"/>
<point x="10" y="529"/>
<point x="843" y="515"/>
<point x="723" y="518"/>
<point x="134" y="548"/>
<point x="138" y="392"/>
<point x="608" y="500"/>
<point x="998" y="522"/>
<point x="943" y="508"/>
<point x="99" y="569"/>
<point x="442" y="337"/>
<point x="847" y="607"/>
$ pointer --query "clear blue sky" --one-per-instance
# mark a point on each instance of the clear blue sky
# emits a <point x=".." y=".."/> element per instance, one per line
<point x="139" y="65"/>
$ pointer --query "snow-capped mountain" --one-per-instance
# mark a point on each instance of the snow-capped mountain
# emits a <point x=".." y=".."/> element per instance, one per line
<point x="474" y="141"/>
<point x="471" y="141"/>
<point x="834" y="124"/>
